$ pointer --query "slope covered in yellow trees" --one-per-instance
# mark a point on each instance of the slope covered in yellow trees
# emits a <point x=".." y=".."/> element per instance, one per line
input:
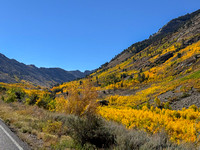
<point x="182" y="125"/>
<point x="132" y="88"/>
<point x="161" y="78"/>
<point x="125" y="75"/>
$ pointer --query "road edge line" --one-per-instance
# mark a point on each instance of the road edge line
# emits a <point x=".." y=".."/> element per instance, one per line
<point x="16" y="144"/>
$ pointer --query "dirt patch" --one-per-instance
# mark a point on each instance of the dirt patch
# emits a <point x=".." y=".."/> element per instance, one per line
<point x="179" y="100"/>
<point x="193" y="99"/>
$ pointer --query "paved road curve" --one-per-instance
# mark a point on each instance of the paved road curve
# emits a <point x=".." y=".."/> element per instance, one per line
<point x="9" y="141"/>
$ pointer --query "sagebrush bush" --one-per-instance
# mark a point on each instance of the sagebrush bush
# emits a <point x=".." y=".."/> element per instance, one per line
<point x="135" y="139"/>
<point x="127" y="139"/>
<point x="90" y="130"/>
<point x="53" y="127"/>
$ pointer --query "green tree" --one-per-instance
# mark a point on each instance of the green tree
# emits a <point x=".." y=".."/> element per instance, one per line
<point x="14" y="94"/>
<point x="157" y="102"/>
<point x="141" y="77"/>
<point x="167" y="105"/>
<point x="32" y="99"/>
<point x="44" y="101"/>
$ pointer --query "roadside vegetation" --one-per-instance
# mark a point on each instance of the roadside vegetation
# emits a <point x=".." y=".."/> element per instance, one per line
<point x="75" y="122"/>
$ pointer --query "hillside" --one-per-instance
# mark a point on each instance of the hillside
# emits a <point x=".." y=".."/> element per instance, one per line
<point x="174" y="31"/>
<point x="12" y="71"/>
<point x="166" y="66"/>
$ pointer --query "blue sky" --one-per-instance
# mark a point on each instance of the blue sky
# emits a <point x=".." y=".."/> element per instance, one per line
<point x="80" y="34"/>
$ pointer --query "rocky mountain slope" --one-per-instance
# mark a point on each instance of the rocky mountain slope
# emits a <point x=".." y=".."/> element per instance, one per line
<point x="175" y="30"/>
<point x="165" y="66"/>
<point x="12" y="71"/>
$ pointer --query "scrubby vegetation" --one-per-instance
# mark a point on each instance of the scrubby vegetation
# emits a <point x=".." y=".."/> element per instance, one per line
<point x="47" y="130"/>
<point x="80" y="125"/>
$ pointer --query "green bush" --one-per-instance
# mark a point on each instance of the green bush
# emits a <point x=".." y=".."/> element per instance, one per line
<point x="89" y="130"/>
<point x="14" y="94"/>
<point x="194" y="107"/>
<point x="44" y="101"/>
<point x="110" y="79"/>
<point x="141" y="77"/>
<point x="2" y="88"/>
<point x="167" y="105"/>
<point x="32" y="99"/>
<point x="157" y="102"/>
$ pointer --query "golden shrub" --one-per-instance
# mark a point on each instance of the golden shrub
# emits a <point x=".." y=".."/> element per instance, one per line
<point x="80" y="101"/>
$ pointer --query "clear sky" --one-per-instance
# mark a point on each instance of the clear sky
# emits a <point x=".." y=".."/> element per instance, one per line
<point x="80" y="34"/>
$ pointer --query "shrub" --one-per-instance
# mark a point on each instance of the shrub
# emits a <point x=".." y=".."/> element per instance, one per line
<point x="57" y="90"/>
<point x="110" y="79"/>
<point x="177" y="114"/>
<point x="14" y="94"/>
<point x="141" y="77"/>
<point x="2" y="98"/>
<point x="167" y="105"/>
<point x="44" y="101"/>
<point x="79" y="102"/>
<point x="138" y="139"/>
<point x="159" y="141"/>
<point x="53" y="127"/>
<point x="32" y="99"/>
<point x="179" y="55"/>
<point x="148" y="105"/>
<point x="157" y="102"/>
<point x="2" y="88"/>
<point x="185" y="95"/>
<point x="194" y="107"/>
<point x="127" y="139"/>
<point x="90" y="130"/>
<point x="172" y="99"/>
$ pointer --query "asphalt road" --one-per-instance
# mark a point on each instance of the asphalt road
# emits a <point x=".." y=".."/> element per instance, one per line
<point x="9" y="141"/>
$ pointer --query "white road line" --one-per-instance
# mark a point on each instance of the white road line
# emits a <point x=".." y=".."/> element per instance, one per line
<point x="16" y="144"/>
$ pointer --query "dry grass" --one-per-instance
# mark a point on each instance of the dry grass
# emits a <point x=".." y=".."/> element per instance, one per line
<point x="42" y="129"/>
<point x="37" y="127"/>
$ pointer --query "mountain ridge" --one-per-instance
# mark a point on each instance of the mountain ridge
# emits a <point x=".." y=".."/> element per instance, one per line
<point x="166" y="31"/>
<point x="12" y="71"/>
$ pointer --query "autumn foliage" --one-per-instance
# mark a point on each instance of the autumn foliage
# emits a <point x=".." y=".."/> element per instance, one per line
<point x="182" y="125"/>
<point x="80" y="101"/>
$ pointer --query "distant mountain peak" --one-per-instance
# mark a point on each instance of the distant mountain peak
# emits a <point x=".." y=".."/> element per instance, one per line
<point x="11" y="69"/>
<point x="184" y="26"/>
